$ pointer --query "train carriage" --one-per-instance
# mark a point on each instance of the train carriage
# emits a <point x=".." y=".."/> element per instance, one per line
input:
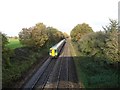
<point x="55" y="50"/>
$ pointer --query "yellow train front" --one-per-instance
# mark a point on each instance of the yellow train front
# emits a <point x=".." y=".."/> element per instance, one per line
<point x="55" y="50"/>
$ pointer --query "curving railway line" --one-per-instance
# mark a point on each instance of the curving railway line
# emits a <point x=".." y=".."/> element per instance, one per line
<point x="55" y="73"/>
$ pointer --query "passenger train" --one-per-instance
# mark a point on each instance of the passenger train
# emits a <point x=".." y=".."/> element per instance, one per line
<point x="55" y="50"/>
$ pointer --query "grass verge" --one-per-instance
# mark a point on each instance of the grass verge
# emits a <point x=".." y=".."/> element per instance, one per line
<point x="14" y="43"/>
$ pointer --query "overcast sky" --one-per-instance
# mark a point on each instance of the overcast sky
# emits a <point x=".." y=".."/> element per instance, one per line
<point x="60" y="14"/>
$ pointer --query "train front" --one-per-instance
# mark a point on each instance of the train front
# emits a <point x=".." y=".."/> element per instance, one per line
<point x="53" y="52"/>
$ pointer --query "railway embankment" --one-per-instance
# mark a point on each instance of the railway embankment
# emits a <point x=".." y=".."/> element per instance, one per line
<point x="24" y="62"/>
<point x="94" y="74"/>
<point x="97" y="55"/>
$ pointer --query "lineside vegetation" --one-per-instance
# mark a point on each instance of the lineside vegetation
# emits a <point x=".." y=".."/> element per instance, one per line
<point x="17" y="60"/>
<point x="98" y="60"/>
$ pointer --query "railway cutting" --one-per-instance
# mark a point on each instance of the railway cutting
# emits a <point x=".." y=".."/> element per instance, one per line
<point x="57" y="72"/>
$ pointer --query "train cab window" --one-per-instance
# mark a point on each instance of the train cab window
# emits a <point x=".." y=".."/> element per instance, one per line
<point x="50" y="51"/>
<point x="55" y="51"/>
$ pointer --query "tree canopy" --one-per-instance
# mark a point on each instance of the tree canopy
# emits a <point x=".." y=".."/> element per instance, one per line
<point x="4" y="39"/>
<point x="39" y="36"/>
<point x="102" y="44"/>
<point x="79" y="30"/>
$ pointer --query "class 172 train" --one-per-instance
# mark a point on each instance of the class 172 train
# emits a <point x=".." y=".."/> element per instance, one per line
<point x="56" y="49"/>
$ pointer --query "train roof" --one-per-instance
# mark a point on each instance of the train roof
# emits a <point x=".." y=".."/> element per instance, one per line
<point x="58" y="44"/>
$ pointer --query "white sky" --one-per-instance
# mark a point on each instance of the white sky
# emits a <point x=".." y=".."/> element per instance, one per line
<point x="60" y="14"/>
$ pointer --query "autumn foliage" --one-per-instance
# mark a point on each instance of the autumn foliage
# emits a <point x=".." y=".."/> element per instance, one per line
<point x="39" y="36"/>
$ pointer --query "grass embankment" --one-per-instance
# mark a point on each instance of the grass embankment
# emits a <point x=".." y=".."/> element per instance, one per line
<point x="93" y="74"/>
<point x="14" y="43"/>
<point x="20" y="63"/>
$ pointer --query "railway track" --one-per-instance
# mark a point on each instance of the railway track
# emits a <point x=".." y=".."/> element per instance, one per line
<point x="34" y="79"/>
<point x="55" y="73"/>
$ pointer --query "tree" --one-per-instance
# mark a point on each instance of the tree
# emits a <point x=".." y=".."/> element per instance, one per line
<point x="4" y="40"/>
<point x="66" y="35"/>
<point x="54" y="35"/>
<point x="79" y="30"/>
<point x="112" y="41"/>
<point x="6" y="52"/>
<point x="103" y="45"/>
<point x="113" y="26"/>
<point x="25" y="37"/>
<point x="39" y="36"/>
<point x="51" y="32"/>
<point x="34" y="36"/>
